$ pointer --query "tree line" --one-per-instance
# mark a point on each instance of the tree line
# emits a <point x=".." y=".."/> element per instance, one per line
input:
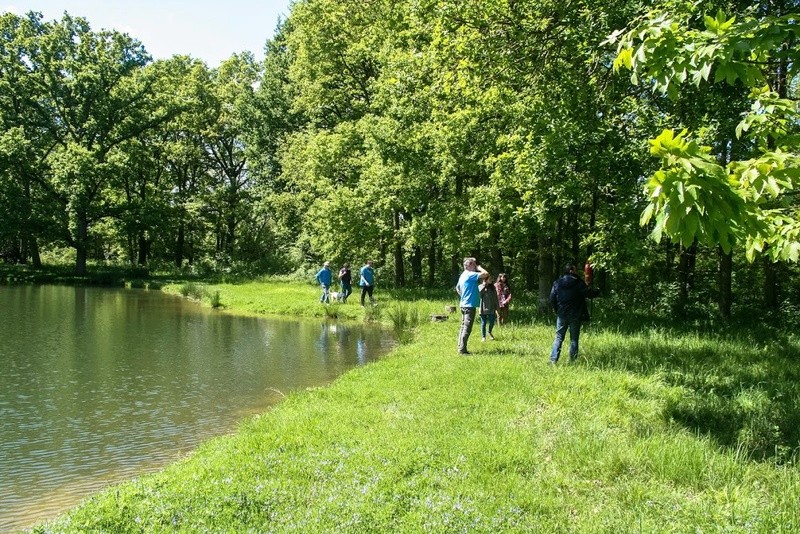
<point x="417" y="133"/>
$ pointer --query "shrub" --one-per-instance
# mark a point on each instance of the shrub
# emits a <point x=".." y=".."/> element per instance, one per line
<point x="372" y="314"/>
<point x="331" y="311"/>
<point x="404" y="316"/>
<point x="193" y="290"/>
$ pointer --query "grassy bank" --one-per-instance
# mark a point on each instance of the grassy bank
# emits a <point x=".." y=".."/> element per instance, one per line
<point x="656" y="429"/>
<point x="278" y="296"/>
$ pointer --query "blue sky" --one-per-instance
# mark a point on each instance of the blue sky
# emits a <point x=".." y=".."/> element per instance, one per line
<point x="205" y="29"/>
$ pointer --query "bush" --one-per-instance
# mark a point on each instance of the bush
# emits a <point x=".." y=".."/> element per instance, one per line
<point x="331" y="311"/>
<point x="372" y="314"/>
<point x="193" y="290"/>
<point x="404" y="316"/>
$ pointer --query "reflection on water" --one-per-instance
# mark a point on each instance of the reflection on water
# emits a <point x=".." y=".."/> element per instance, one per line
<point x="99" y="385"/>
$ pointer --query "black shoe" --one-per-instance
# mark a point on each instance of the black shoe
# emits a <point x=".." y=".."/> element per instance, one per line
<point x="464" y="352"/>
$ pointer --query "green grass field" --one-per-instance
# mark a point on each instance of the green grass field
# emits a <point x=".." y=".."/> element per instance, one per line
<point x="657" y="428"/>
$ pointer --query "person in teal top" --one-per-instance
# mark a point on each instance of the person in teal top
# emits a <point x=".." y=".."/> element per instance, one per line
<point x="324" y="277"/>
<point x="470" y="298"/>
<point x="367" y="282"/>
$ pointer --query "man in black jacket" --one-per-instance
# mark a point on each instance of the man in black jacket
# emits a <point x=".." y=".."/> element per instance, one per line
<point x="568" y="297"/>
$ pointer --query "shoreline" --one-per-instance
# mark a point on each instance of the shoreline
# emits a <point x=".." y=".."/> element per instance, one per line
<point x="498" y="441"/>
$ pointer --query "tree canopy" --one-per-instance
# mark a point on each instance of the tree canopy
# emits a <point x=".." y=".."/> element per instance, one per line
<point x="414" y="134"/>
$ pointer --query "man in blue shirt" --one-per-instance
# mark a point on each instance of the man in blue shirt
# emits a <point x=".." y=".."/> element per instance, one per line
<point x="367" y="282"/>
<point x="467" y="289"/>
<point x="324" y="277"/>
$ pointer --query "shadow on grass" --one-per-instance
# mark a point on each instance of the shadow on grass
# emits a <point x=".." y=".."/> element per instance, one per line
<point x="741" y="378"/>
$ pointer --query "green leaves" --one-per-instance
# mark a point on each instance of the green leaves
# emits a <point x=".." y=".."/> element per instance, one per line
<point x="719" y="24"/>
<point x="681" y="191"/>
<point x="692" y="197"/>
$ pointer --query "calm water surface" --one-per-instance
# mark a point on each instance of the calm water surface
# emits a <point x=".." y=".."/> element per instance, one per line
<point x="100" y="385"/>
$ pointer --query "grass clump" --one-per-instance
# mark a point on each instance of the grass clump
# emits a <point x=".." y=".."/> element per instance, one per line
<point x="193" y="290"/>
<point x="405" y="318"/>
<point x="331" y="311"/>
<point x="215" y="299"/>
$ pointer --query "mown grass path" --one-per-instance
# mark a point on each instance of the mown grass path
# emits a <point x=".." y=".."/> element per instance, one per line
<point x="425" y="440"/>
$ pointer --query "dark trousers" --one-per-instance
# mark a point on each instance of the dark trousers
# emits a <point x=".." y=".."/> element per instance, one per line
<point x="467" y="320"/>
<point x="347" y="290"/>
<point x="367" y="290"/>
<point x="487" y="320"/>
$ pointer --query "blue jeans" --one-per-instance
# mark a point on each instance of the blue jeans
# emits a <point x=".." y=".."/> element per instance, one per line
<point x="574" y="326"/>
<point x="347" y="290"/>
<point x="487" y="319"/>
<point x="325" y="298"/>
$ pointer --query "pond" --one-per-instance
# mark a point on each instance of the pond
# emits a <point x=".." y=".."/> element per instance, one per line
<point x="101" y="385"/>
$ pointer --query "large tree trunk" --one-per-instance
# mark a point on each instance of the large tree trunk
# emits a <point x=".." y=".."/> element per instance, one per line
<point x="191" y="259"/>
<point x="725" y="283"/>
<point x="686" y="274"/>
<point x="81" y="244"/>
<point x="399" y="269"/>
<point x="770" y="284"/>
<point x="144" y="249"/>
<point x="432" y="255"/>
<point x="497" y="253"/>
<point x="33" y="249"/>
<point x="179" y="244"/>
<point x="545" y="273"/>
<point x="416" y="265"/>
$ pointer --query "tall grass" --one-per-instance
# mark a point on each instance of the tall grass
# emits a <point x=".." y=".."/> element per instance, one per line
<point x="372" y="314"/>
<point x="331" y="310"/>
<point x="405" y="317"/>
<point x="193" y="290"/>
